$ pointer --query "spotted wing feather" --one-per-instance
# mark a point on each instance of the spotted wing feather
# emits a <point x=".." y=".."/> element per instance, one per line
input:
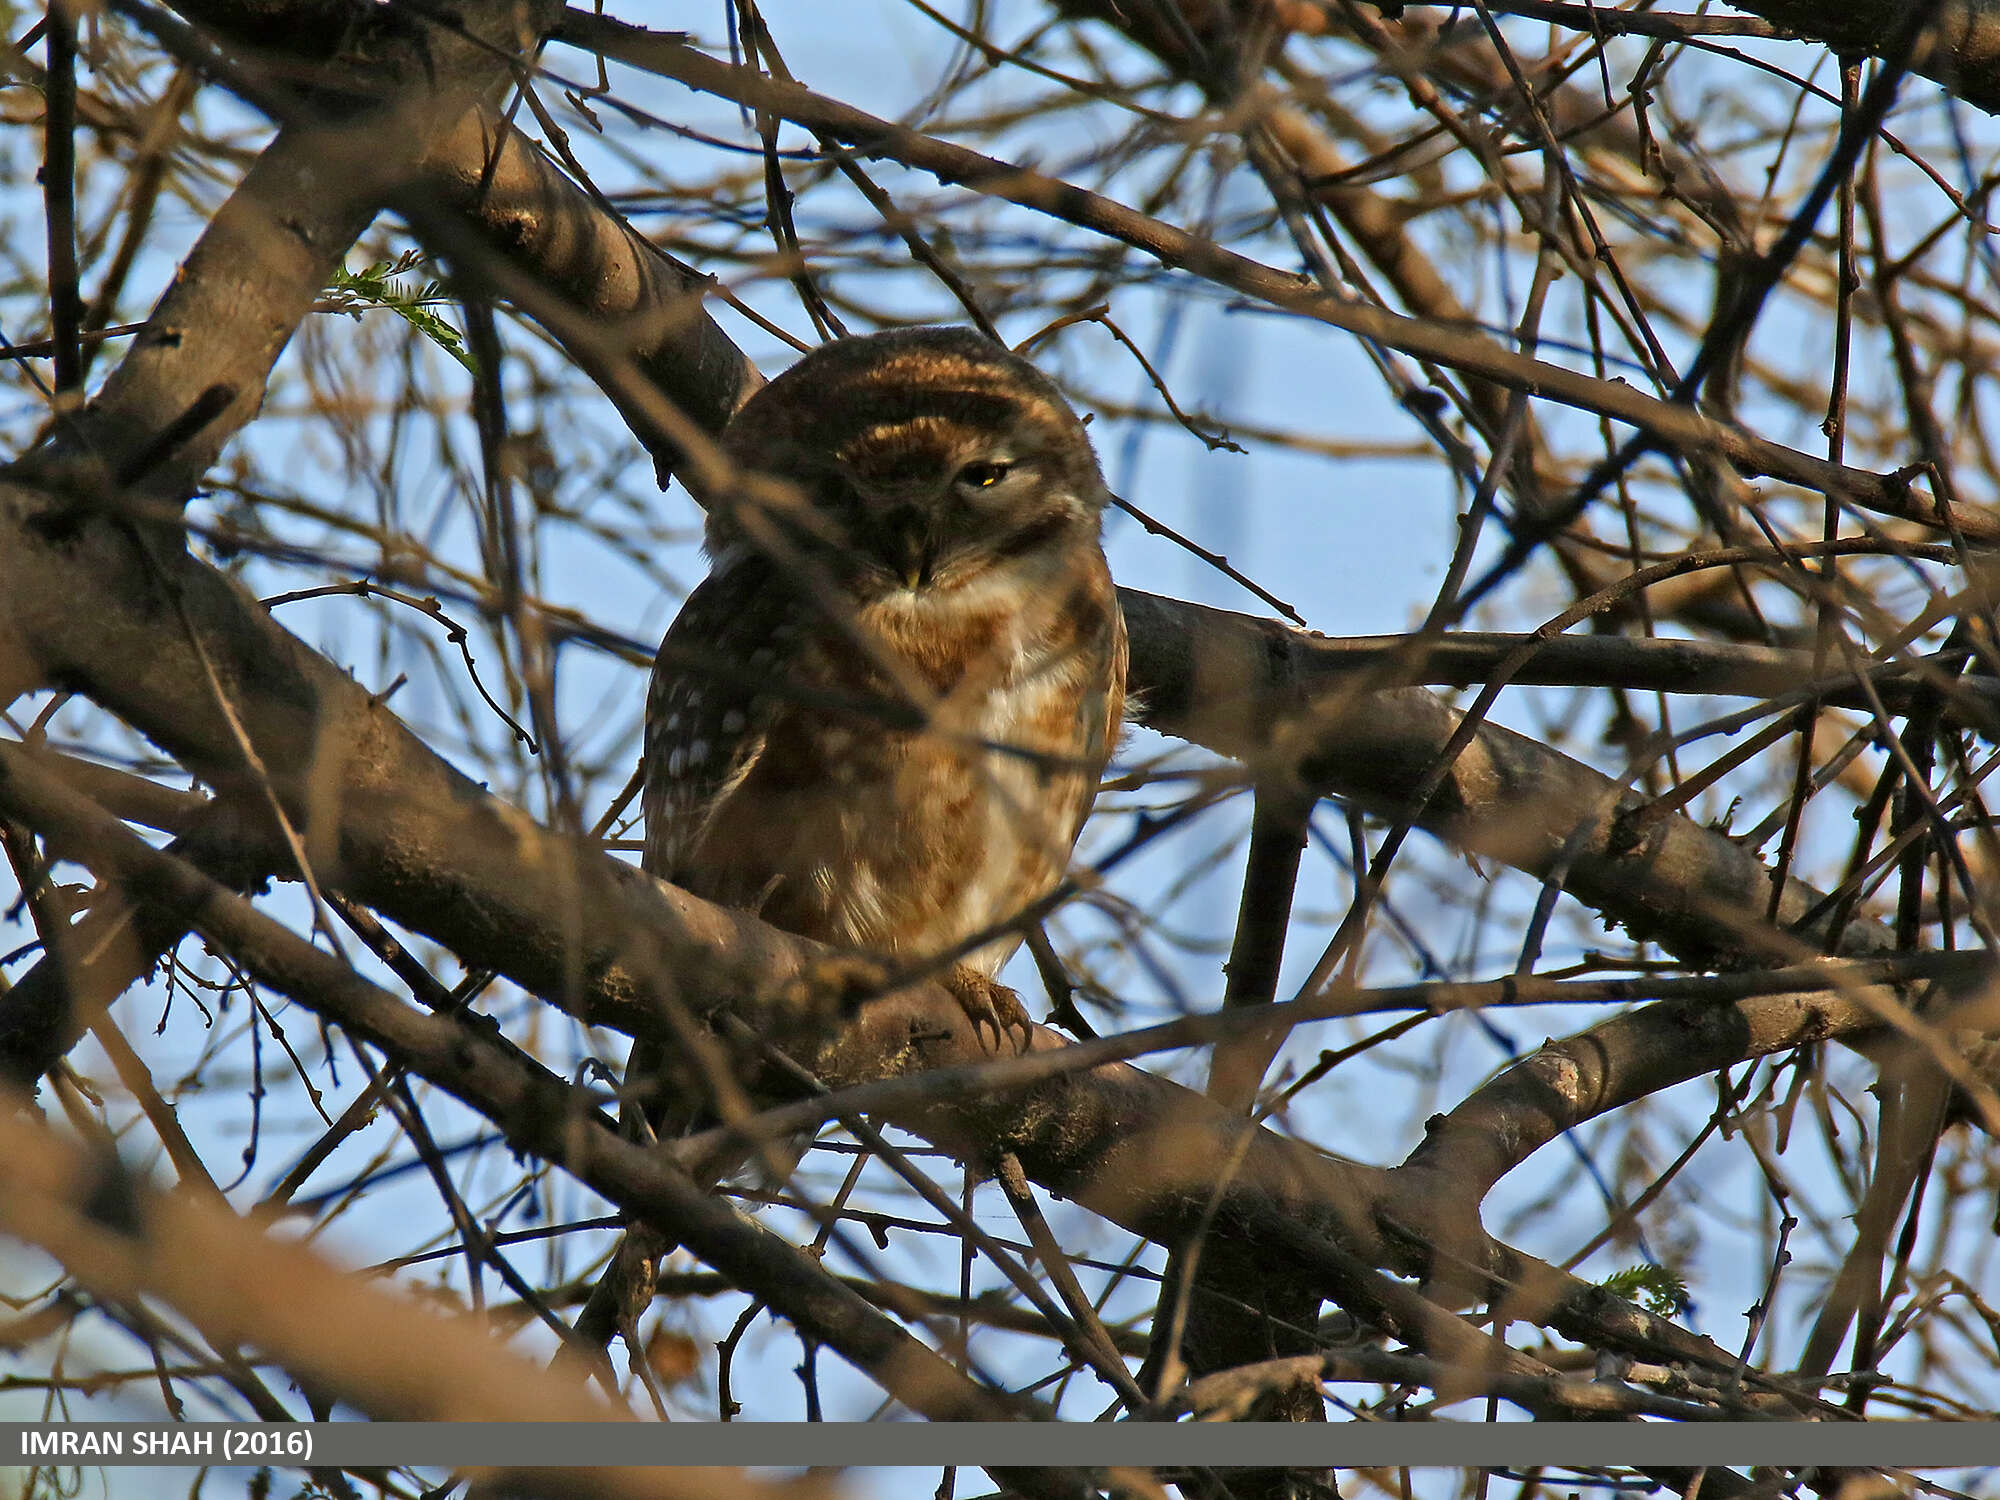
<point x="709" y="708"/>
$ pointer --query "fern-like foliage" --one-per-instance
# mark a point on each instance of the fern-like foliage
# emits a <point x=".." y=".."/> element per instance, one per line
<point x="354" y="292"/>
<point x="1661" y="1290"/>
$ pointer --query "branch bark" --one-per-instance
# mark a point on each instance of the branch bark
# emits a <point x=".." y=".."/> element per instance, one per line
<point x="1960" y="49"/>
<point x="197" y="372"/>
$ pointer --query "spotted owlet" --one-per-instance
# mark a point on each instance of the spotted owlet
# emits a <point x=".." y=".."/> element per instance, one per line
<point x="880" y="720"/>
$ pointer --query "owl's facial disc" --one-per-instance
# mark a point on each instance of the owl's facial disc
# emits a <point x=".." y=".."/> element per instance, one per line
<point x="928" y="458"/>
<point x="966" y="510"/>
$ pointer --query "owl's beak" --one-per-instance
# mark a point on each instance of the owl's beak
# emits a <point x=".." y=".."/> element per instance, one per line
<point x="903" y="540"/>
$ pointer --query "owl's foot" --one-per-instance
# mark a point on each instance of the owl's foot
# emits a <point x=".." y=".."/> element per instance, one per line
<point x="842" y="981"/>
<point x="987" y="1002"/>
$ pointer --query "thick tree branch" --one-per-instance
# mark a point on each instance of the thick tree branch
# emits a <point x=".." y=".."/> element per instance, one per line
<point x="1960" y="48"/>
<point x="521" y="205"/>
<point x="197" y="372"/>
<point x="1242" y="687"/>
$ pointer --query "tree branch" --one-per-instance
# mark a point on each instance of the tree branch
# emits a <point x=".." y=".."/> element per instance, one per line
<point x="210" y="343"/>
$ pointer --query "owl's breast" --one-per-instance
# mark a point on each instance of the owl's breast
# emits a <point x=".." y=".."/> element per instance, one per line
<point x="905" y="841"/>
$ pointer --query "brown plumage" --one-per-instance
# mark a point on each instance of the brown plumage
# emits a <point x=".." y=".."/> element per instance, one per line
<point x="880" y="720"/>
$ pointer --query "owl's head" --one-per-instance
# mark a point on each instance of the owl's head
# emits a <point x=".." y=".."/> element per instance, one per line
<point x="920" y="459"/>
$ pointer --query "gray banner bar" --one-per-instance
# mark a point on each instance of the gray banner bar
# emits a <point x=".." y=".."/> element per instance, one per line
<point x="580" y="1445"/>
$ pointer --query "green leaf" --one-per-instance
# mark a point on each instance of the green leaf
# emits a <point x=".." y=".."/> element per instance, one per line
<point x="352" y="292"/>
<point x="1661" y="1290"/>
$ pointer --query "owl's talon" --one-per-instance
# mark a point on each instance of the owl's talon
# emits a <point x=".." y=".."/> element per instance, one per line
<point x="986" y="1002"/>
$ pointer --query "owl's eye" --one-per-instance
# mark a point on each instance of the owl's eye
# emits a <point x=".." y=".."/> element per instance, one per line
<point x="981" y="476"/>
